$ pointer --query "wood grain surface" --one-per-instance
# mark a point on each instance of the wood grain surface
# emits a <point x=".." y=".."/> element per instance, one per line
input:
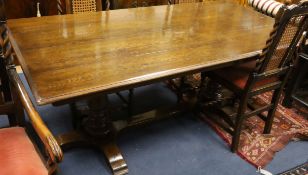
<point x="68" y="56"/>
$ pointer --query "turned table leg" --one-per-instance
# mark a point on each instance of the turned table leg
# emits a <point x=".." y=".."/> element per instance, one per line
<point x="210" y="92"/>
<point x="94" y="128"/>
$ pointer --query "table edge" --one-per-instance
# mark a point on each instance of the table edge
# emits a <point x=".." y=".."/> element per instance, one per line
<point x="144" y="80"/>
<point x="24" y="67"/>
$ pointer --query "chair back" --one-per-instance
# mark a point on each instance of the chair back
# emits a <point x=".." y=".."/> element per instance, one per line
<point x="79" y="6"/>
<point x="6" y="57"/>
<point x="290" y="24"/>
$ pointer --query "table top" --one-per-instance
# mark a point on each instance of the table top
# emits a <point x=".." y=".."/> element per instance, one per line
<point x="64" y="57"/>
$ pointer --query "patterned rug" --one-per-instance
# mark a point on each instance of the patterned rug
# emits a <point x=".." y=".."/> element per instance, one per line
<point x="299" y="170"/>
<point x="259" y="149"/>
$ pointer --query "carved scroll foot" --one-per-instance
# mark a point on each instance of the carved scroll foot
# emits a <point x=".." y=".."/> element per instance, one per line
<point x="115" y="158"/>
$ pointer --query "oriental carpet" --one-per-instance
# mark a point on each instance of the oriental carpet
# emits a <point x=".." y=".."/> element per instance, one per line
<point x="259" y="149"/>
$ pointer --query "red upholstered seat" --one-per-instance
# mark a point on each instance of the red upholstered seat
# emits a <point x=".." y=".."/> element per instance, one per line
<point x="18" y="155"/>
<point x="239" y="74"/>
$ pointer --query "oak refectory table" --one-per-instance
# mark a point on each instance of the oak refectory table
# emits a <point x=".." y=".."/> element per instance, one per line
<point x="68" y="58"/>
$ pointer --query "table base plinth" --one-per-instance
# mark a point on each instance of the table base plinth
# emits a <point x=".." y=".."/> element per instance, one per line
<point x="109" y="148"/>
<point x="81" y="137"/>
<point x="145" y="118"/>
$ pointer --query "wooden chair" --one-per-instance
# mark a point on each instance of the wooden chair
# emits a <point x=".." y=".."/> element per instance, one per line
<point x="267" y="72"/>
<point x="18" y="154"/>
<point x="79" y="6"/>
<point x="297" y="85"/>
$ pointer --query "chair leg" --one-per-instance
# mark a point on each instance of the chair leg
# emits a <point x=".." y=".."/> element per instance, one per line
<point x="237" y="133"/>
<point x="271" y="112"/>
<point x="269" y="122"/>
<point x="202" y="86"/>
<point x="12" y="120"/>
<point x="238" y="123"/>
<point x="179" y="92"/>
<point x="17" y="117"/>
<point x="20" y="116"/>
<point x="202" y="81"/>
<point x="130" y="102"/>
<point x="52" y="169"/>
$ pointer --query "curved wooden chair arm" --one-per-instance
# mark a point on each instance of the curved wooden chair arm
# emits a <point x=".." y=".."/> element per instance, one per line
<point x="50" y="143"/>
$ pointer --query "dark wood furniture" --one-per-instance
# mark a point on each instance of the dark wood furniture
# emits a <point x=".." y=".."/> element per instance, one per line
<point x="184" y="1"/>
<point x="268" y="7"/>
<point x="121" y="4"/>
<point x="104" y="52"/>
<point x="28" y="8"/>
<point x="13" y="99"/>
<point x="297" y="88"/>
<point x="266" y="72"/>
<point x="9" y="102"/>
<point x="79" y="6"/>
<point x="32" y="38"/>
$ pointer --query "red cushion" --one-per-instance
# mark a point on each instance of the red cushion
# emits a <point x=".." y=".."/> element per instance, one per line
<point x="18" y="155"/>
<point x="239" y="74"/>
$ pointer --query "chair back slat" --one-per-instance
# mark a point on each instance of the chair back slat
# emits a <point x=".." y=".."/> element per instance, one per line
<point x="289" y="26"/>
<point x="284" y="44"/>
<point x="60" y="7"/>
<point x="6" y="57"/>
<point x="80" y="6"/>
<point x="5" y="45"/>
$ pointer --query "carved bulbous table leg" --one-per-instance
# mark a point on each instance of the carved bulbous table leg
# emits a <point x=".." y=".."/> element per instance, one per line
<point x="211" y="93"/>
<point x="97" y="123"/>
<point x="93" y="125"/>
